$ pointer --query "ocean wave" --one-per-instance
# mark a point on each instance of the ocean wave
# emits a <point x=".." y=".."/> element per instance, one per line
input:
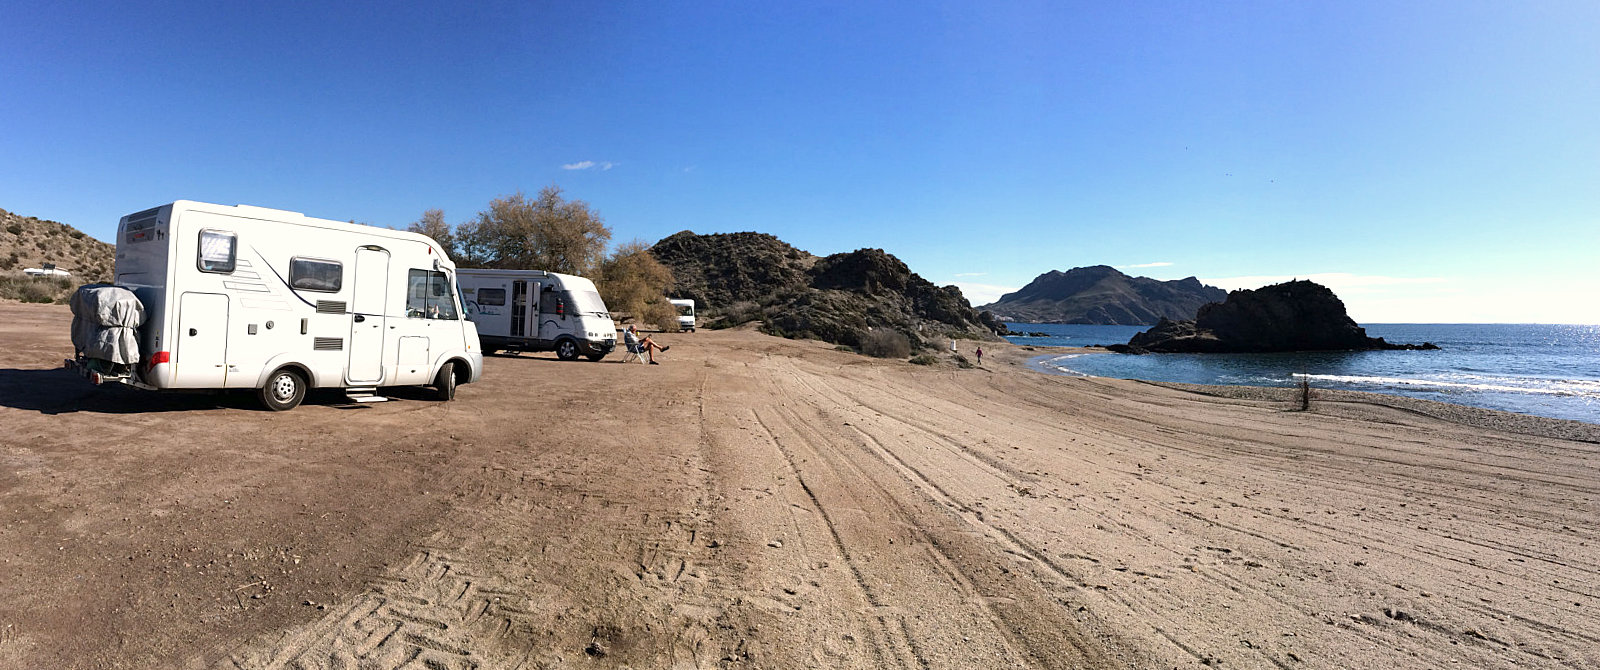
<point x="1557" y="387"/>
<point x="1058" y="363"/>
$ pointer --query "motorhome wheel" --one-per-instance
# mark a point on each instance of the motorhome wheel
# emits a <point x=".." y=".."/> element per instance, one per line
<point x="567" y="350"/>
<point x="283" y="391"/>
<point x="445" y="383"/>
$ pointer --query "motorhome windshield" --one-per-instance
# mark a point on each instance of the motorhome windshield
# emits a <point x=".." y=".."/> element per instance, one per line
<point x="685" y="310"/>
<point x="584" y="302"/>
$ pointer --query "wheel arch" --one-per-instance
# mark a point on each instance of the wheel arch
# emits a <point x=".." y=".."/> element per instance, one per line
<point x="301" y="368"/>
<point x="463" y="369"/>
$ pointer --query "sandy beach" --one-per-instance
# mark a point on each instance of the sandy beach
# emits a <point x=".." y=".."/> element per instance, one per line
<point x="760" y="502"/>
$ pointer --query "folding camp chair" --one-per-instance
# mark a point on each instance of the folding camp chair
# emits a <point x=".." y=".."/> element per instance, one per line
<point x="635" y="350"/>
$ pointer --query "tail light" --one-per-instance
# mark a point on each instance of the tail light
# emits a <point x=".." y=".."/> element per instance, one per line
<point x="157" y="358"/>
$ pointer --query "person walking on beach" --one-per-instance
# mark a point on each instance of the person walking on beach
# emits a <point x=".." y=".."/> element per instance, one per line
<point x="979" y="352"/>
<point x="631" y="337"/>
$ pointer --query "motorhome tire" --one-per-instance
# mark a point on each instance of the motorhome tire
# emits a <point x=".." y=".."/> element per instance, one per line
<point x="567" y="350"/>
<point x="445" y="383"/>
<point x="283" y="391"/>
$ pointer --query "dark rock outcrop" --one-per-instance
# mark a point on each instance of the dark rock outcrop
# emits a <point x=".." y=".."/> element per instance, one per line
<point x="742" y="277"/>
<point x="1292" y="316"/>
<point x="1103" y="295"/>
<point x="722" y="269"/>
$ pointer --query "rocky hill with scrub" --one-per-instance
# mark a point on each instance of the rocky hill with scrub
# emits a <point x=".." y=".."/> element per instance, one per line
<point x="1103" y="295"/>
<point x="29" y="242"/>
<point x="848" y="298"/>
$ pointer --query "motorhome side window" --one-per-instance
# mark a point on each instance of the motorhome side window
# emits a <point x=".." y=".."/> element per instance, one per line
<point x="309" y="274"/>
<point x="553" y="302"/>
<point x="495" y="297"/>
<point x="429" y="296"/>
<point x="218" y="251"/>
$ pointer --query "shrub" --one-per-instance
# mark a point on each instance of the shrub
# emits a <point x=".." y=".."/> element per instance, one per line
<point x="961" y="361"/>
<point x="885" y="343"/>
<point x="29" y="289"/>
<point x="740" y="312"/>
<point x="14" y="229"/>
<point x="924" y="359"/>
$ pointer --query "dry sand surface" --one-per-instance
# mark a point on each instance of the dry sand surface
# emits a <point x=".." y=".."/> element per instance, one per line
<point x="758" y="502"/>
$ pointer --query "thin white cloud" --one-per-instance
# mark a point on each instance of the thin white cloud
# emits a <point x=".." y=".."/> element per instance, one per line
<point x="589" y="165"/>
<point x="971" y="274"/>
<point x="983" y="294"/>
<point x="1158" y="264"/>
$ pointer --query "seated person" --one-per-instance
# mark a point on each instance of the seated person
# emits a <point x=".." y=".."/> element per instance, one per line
<point x="647" y="345"/>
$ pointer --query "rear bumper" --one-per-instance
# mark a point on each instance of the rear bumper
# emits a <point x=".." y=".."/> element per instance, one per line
<point x="98" y="376"/>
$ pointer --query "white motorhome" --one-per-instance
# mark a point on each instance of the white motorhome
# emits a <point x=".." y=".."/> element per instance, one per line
<point x="253" y="298"/>
<point x="534" y="310"/>
<point x="685" y="314"/>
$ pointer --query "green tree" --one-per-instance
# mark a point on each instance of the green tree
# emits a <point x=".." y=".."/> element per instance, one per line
<point x="547" y="232"/>
<point x="432" y="224"/>
<point x="633" y="281"/>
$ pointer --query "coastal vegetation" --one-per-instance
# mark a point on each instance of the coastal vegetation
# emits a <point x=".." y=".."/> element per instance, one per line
<point x="30" y="242"/>
<point x="553" y="233"/>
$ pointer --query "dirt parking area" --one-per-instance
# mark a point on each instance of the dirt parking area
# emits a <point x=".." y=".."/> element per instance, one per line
<point x="758" y="502"/>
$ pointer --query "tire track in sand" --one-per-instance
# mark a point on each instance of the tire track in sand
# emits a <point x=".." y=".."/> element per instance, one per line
<point x="435" y="612"/>
<point x="965" y="572"/>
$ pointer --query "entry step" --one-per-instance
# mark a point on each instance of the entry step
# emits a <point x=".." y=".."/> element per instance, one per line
<point x="364" y="395"/>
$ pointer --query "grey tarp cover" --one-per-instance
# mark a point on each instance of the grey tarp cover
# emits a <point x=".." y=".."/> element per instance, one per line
<point x="103" y="319"/>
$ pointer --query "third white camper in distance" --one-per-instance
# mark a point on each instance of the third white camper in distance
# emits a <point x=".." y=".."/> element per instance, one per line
<point x="534" y="310"/>
<point x="685" y="309"/>
<point x="255" y="298"/>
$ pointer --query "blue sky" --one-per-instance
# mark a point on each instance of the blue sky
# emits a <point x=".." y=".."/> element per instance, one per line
<point x="1430" y="161"/>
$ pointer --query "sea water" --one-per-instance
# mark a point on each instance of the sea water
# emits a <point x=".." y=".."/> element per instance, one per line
<point x="1545" y="370"/>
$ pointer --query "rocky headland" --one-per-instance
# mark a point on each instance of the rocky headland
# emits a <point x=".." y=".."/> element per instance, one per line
<point x="1103" y="295"/>
<point x="1293" y="316"/>
<point x="738" y="278"/>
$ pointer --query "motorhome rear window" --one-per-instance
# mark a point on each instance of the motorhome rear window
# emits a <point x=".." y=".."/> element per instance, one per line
<point x="313" y="275"/>
<point x="492" y="296"/>
<point x="217" y="251"/>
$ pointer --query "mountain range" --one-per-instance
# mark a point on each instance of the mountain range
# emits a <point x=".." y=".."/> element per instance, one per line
<point x="1100" y="294"/>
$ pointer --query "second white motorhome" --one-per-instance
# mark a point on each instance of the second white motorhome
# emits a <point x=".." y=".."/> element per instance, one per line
<point x="534" y="310"/>
<point x="254" y="298"/>
<point x="685" y="309"/>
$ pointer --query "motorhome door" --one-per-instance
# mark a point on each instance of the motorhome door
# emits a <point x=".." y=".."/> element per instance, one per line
<point x="202" y="356"/>
<point x="366" y="315"/>
<point x="525" y="309"/>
